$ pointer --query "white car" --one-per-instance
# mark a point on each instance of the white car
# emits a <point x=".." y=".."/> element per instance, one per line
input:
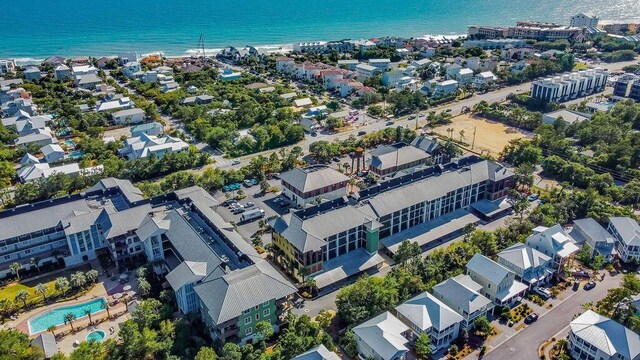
<point x="235" y="162"/>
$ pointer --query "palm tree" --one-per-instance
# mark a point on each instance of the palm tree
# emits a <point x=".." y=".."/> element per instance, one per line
<point x="92" y="276"/>
<point x="106" y="306"/>
<point x="22" y="295"/>
<point x="88" y="313"/>
<point x="143" y="286"/>
<point x="16" y="267"/>
<point x="42" y="290"/>
<point x="69" y="318"/>
<point x="461" y="132"/>
<point x="62" y="284"/>
<point x="52" y="330"/>
<point x="346" y="167"/>
<point x="5" y="307"/>
<point x="78" y="279"/>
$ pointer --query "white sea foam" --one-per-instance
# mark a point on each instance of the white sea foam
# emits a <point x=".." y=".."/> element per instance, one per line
<point x="27" y="61"/>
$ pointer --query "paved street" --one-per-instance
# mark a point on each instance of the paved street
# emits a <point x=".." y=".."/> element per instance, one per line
<point x="524" y="345"/>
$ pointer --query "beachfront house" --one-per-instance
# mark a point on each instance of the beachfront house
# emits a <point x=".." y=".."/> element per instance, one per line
<point x="62" y="72"/>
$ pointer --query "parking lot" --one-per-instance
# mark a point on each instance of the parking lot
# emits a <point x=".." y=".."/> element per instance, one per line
<point x="266" y="202"/>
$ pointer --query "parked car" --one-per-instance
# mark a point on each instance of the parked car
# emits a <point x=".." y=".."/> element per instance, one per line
<point x="239" y="210"/>
<point x="590" y="285"/>
<point x="336" y="159"/>
<point x="531" y="318"/>
<point x="247" y="183"/>
<point x="543" y="293"/>
<point x="388" y="123"/>
<point x="576" y="285"/>
<point x="278" y="200"/>
<point x="533" y="197"/>
<point x="235" y="162"/>
<point x="362" y="132"/>
<point x="581" y="274"/>
<point x="249" y="204"/>
<point x="448" y="110"/>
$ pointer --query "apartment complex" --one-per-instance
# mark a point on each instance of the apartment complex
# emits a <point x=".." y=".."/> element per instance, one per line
<point x="570" y="86"/>
<point x="305" y="185"/>
<point x="527" y="30"/>
<point x="213" y="271"/>
<point x="310" y="241"/>
<point x="584" y="21"/>
<point x="627" y="86"/>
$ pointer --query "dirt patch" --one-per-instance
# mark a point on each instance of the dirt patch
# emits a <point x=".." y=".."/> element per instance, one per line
<point x="118" y="133"/>
<point x="490" y="136"/>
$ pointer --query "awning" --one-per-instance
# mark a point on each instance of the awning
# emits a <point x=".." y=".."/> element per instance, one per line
<point x="344" y="266"/>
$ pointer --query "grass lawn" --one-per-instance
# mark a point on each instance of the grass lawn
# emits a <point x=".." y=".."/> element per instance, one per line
<point x="580" y="66"/>
<point x="9" y="292"/>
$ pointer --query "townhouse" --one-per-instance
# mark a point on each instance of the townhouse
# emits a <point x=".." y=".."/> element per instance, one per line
<point x="595" y="237"/>
<point x="383" y="337"/>
<point x="498" y="283"/>
<point x="570" y="86"/>
<point x="462" y="295"/>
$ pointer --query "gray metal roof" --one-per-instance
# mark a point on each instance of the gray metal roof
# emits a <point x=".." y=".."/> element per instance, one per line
<point x="607" y="335"/>
<point x="319" y="352"/>
<point x="122" y="222"/>
<point x="461" y="293"/>
<point x="312" y="177"/>
<point x="435" y="187"/>
<point x="25" y="222"/>
<point x="487" y="268"/>
<point x="426" y="311"/>
<point x="188" y="272"/>
<point x="47" y="342"/>
<point x="384" y="334"/>
<point x="523" y="256"/>
<point x="130" y="192"/>
<point x="186" y="241"/>
<point x="426" y="144"/>
<point x="386" y="157"/>
<point x="628" y="229"/>
<point x="128" y="112"/>
<point x="226" y="297"/>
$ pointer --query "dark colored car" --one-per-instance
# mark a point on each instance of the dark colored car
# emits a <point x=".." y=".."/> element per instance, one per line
<point x="590" y="285"/>
<point x="336" y="159"/>
<point x="360" y="133"/>
<point x="531" y="318"/>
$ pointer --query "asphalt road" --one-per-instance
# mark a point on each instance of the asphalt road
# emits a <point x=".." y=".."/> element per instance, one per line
<point x="524" y="345"/>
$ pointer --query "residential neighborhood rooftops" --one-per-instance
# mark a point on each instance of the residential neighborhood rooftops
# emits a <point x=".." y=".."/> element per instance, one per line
<point x="628" y="229"/>
<point x="319" y="352"/>
<point x="523" y="256"/>
<point x="128" y="112"/>
<point x="462" y="294"/>
<point x="487" y="268"/>
<point x="606" y="335"/>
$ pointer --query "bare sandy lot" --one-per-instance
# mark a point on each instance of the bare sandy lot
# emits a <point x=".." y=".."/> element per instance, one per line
<point x="490" y="136"/>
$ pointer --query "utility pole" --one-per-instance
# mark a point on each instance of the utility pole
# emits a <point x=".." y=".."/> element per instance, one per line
<point x="473" y="142"/>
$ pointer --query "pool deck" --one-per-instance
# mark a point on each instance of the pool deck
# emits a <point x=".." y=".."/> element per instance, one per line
<point x="105" y="288"/>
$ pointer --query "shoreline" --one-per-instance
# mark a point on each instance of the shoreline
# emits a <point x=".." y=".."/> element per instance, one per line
<point x="269" y="48"/>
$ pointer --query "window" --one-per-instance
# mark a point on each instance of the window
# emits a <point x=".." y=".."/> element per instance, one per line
<point x="248" y="331"/>
<point x="266" y="312"/>
<point x="266" y="303"/>
<point x="246" y="311"/>
<point x="257" y="306"/>
<point x="27" y="251"/>
<point x="7" y="257"/>
<point x="257" y="317"/>
<point x="247" y="320"/>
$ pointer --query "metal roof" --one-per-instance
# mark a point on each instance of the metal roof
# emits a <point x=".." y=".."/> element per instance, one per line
<point x="607" y="335"/>
<point x="523" y="256"/>
<point x="628" y="229"/>
<point x="426" y="311"/>
<point x="226" y="297"/>
<point x="319" y="352"/>
<point x="461" y="293"/>
<point x="312" y="177"/>
<point x="487" y="268"/>
<point x="384" y="335"/>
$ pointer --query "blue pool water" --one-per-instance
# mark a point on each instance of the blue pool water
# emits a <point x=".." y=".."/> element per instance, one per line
<point x="55" y="317"/>
<point x="76" y="154"/>
<point x="69" y="143"/>
<point x="96" y="336"/>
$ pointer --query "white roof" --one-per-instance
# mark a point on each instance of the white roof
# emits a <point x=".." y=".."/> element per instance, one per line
<point x="465" y="71"/>
<point x="487" y="268"/>
<point x="607" y="335"/>
<point x="384" y="334"/>
<point x="302" y="102"/>
<point x="51" y="148"/>
<point x="523" y="256"/>
<point x="553" y="240"/>
<point x="426" y="311"/>
<point x="487" y="75"/>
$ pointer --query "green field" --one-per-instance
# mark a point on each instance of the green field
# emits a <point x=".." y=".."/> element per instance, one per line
<point x="580" y="66"/>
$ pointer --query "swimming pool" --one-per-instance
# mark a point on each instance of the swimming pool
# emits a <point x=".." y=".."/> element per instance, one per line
<point x="55" y="317"/>
<point x="96" y="336"/>
<point x="76" y="154"/>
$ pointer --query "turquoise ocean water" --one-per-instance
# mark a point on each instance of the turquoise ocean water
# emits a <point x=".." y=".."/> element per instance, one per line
<point x="39" y="28"/>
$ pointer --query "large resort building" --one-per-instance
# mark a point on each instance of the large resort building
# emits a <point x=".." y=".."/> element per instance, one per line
<point x="340" y="238"/>
<point x="214" y="272"/>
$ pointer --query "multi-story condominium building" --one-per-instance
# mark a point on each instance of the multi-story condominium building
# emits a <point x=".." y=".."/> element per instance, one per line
<point x="530" y="265"/>
<point x="316" y="46"/>
<point x="627" y="86"/>
<point x="626" y="231"/>
<point x="213" y="271"/>
<point x="584" y="21"/>
<point x="555" y="243"/>
<point x="527" y="30"/>
<point x="596" y="337"/>
<point x="594" y="236"/>
<point x="570" y="86"/>
<point x="310" y="238"/>
<point x="462" y="295"/>
<point x="425" y="314"/>
<point x="499" y="284"/>
<point x="304" y="185"/>
<point x="618" y="27"/>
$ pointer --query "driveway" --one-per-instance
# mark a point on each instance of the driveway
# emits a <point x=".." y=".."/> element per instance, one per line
<point x="524" y="345"/>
